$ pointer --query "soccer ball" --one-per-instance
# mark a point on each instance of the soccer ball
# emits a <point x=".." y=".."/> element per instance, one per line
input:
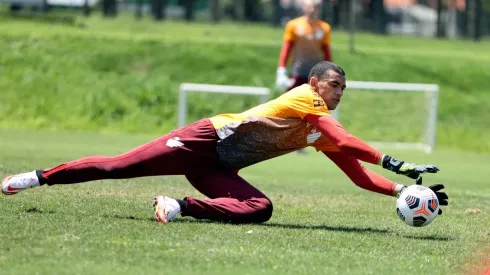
<point x="417" y="205"/>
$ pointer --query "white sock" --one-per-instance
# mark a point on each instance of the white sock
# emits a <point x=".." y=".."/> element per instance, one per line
<point x="32" y="175"/>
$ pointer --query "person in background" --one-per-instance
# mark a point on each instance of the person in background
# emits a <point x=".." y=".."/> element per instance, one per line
<point x="307" y="41"/>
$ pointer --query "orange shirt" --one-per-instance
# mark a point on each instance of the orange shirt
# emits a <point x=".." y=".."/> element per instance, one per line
<point x="308" y="42"/>
<point x="272" y="129"/>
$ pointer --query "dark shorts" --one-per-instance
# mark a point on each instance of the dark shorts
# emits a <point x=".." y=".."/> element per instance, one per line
<point x="298" y="81"/>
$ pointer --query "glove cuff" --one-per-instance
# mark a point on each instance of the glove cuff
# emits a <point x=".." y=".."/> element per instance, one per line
<point x="282" y="71"/>
<point x="381" y="159"/>
<point x="398" y="190"/>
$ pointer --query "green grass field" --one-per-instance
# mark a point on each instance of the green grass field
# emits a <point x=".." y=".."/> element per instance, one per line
<point x="322" y="223"/>
<point x="105" y="86"/>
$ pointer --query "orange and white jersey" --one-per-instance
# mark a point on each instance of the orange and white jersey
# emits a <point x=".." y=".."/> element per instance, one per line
<point x="272" y="129"/>
<point x="308" y="39"/>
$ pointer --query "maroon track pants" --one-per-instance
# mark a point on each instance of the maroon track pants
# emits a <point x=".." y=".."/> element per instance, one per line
<point x="189" y="151"/>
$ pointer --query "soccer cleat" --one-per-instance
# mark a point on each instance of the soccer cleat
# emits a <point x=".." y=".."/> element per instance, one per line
<point x="166" y="209"/>
<point x="12" y="185"/>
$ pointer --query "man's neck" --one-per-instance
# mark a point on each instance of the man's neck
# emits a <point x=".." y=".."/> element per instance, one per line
<point x="310" y="20"/>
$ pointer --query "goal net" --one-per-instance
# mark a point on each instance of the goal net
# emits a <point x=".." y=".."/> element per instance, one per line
<point x="385" y="114"/>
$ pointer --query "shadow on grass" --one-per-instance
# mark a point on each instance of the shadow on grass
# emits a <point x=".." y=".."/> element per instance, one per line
<point x="121" y="217"/>
<point x="332" y="228"/>
<point x="301" y="226"/>
<point x="430" y="238"/>
<point x="35" y="210"/>
<point x="328" y="228"/>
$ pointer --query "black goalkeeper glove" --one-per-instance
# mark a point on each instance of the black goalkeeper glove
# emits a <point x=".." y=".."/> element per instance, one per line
<point x="441" y="196"/>
<point x="408" y="169"/>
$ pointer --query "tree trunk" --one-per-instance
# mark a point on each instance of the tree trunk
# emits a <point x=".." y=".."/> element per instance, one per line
<point x="477" y="20"/>
<point x="86" y="8"/>
<point x="440" y="31"/>
<point x="158" y="9"/>
<point x="139" y="9"/>
<point x="251" y="10"/>
<point x="335" y="13"/>
<point x="352" y="25"/>
<point x="45" y="7"/>
<point x="277" y="13"/>
<point x="466" y="17"/>
<point x="189" y="14"/>
<point x="379" y="16"/>
<point x="214" y="10"/>
<point x="109" y="8"/>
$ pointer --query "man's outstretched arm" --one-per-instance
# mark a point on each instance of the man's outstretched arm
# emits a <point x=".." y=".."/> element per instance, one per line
<point x="369" y="180"/>
<point x="346" y="142"/>
<point x="357" y="148"/>
<point x="363" y="177"/>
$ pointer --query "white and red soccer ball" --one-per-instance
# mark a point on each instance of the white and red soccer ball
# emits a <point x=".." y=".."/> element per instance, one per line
<point x="417" y="205"/>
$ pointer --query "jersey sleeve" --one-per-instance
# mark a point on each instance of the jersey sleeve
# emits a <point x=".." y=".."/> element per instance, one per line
<point x="305" y="102"/>
<point x="361" y="176"/>
<point x="327" y="36"/>
<point x="289" y="34"/>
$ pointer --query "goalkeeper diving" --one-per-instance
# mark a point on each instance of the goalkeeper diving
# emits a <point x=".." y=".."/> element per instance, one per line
<point x="210" y="153"/>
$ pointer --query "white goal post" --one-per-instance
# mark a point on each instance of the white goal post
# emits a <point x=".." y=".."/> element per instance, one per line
<point x="185" y="88"/>
<point x="431" y="94"/>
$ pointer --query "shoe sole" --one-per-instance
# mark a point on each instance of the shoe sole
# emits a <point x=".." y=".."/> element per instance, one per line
<point x="159" y="217"/>
<point x="4" y="181"/>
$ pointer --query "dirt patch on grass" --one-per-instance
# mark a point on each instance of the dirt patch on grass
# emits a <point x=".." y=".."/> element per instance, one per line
<point x="479" y="265"/>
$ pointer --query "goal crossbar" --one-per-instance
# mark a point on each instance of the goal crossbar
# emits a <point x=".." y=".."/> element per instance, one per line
<point x="392" y="86"/>
<point x="185" y="88"/>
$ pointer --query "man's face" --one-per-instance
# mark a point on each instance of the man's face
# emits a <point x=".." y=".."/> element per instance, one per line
<point x="311" y="9"/>
<point x="330" y="88"/>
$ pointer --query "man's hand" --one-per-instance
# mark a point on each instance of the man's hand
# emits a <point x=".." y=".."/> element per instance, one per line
<point x="441" y="196"/>
<point x="408" y="169"/>
<point x="282" y="80"/>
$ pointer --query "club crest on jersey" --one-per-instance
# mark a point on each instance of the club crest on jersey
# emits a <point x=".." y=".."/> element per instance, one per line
<point x="313" y="136"/>
<point x="318" y="103"/>
<point x="319" y="34"/>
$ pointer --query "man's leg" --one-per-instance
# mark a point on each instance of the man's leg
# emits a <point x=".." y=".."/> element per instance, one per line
<point x="232" y="199"/>
<point x="176" y="153"/>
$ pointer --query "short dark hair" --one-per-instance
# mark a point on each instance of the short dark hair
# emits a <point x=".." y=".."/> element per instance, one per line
<point x="321" y="70"/>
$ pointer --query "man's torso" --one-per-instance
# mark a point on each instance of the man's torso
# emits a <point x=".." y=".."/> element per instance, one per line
<point x="309" y="39"/>
<point x="271" y="129"/>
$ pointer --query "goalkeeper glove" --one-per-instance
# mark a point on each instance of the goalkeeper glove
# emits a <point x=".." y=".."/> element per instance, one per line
<point x="441" y="196"/>
<point x="282" y="80"/>
<point x="408" y="169"/>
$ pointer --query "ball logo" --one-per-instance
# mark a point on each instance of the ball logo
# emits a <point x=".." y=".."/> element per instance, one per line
<point x="319" y="33"/>
<point x="432" y="205"/>
<point x="419" y="221"/>
<point x="412" y="201"/>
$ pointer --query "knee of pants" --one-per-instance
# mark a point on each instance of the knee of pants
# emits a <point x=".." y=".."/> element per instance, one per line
<point x="263" y="212"/>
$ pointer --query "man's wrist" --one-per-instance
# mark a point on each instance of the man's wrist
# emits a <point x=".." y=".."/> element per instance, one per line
<point x="381" y="159"/>
<point x="281" y="70"/>
<point x="398" y="189"/>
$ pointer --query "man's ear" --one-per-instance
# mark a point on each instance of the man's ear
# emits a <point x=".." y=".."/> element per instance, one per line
<point x="313" y="81"/>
